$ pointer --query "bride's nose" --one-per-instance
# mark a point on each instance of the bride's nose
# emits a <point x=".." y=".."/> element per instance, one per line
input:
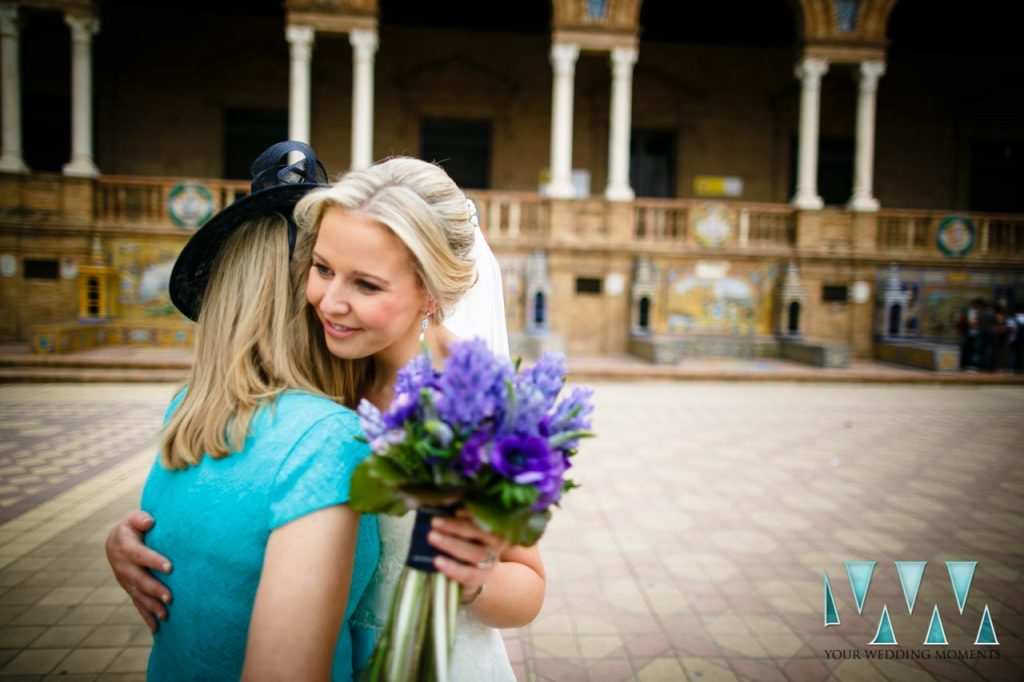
<point x="335" y="300"/>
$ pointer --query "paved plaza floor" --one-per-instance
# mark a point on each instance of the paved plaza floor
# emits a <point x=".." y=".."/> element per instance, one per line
<point x="695" y="550"/>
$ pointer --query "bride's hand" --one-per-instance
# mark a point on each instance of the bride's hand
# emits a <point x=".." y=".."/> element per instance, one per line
<point x="132" y="561"/>
<point x="474" y="552"/>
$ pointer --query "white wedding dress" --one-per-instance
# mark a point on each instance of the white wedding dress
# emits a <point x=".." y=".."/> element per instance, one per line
<point x="479" y="653"/>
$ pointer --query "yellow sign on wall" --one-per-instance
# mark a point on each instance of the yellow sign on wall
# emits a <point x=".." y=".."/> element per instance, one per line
<point x="728" y="186"/>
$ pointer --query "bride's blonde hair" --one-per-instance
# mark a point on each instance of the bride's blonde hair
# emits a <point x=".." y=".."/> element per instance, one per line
<point x="420" y="204"/>
<point x="252" y="344"/>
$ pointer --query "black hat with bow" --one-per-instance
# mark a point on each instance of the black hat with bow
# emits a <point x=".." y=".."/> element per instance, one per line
<point x="277" y="186"/>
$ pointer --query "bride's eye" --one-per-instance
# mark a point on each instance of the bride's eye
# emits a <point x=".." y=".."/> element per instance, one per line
<point x="322" y="270"/>
<point x="367" y="286"/>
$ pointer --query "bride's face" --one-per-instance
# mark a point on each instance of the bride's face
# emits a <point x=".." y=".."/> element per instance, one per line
<point x="364" y="290"/>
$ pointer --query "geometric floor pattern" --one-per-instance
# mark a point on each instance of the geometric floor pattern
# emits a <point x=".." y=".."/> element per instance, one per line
<point x="47" y="447"/>
<point x="695" y="550"/>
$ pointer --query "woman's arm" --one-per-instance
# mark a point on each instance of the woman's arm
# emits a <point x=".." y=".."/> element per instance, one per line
<point x="132" y="562"/>
<point x="508" y="593"/>
<point x="301" y="599"/>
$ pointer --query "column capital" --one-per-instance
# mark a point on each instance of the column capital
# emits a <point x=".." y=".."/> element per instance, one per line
<point x="564" y="56"/>
<point x="624" y="56"/>
<point x="364" y="41"/>
<point x="811" y="69"/>
<point x="870" y="72"/>
<point x="83" y="27"/>
<point x="297" y="34"/>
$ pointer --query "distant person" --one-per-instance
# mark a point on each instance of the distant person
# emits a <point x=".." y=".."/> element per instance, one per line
<point x="1016" y="341"/>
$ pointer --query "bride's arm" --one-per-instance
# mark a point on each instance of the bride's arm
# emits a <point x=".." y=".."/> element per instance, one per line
<point x="507" y="594"/>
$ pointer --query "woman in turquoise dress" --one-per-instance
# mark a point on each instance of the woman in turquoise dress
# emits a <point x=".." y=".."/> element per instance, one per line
<point x="255" y="461"/>
<point x="394" y="255"/>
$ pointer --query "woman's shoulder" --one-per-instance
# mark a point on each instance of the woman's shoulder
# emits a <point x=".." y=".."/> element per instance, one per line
<point x="304" y="410"/>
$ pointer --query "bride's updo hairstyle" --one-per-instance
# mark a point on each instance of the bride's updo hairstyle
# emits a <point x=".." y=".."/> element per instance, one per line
<point x="420" y="204"/>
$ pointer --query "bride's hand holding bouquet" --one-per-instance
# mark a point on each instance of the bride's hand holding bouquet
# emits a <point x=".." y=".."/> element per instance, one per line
<point x="477" y="439"/>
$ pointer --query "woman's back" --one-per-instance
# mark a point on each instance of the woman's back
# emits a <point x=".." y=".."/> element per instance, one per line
<point x="217" y="518"/>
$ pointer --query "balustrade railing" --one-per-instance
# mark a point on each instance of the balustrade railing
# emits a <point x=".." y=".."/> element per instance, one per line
<point x="918" y="231"/>
<point x="146" y="201"/>
<point x="510" y="214"/>
<point x="678" y="221"/>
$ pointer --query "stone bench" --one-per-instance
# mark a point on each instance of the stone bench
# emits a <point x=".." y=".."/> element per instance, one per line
<point x="816" y="354"/>
<point x="70" y="337"/>
<point x="935" y="357"/>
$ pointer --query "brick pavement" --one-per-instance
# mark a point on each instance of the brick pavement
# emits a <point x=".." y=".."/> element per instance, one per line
<point x="695" y="550"/>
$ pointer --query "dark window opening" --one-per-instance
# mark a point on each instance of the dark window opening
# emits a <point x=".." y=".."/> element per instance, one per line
<point x="997" y="175"/>
<point x="652" y="163"/>
<point x="588" y="285"/>
<point x="895" y="314"/>
<point x="793" y="326"/>
<point x="92" y="295"/>
<point x="835" y="293"/>
<point x="462" y="147"/>
<point x="41" y="269"/>
<point x="46" y="94"/>
<point x="835" y="169"/>
<point x="645" y="313"/>
<point x="247" y="132"/>
<point x="538" y="309"/>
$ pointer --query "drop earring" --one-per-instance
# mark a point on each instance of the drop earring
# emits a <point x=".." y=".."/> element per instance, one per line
<point x="423" y="327"/>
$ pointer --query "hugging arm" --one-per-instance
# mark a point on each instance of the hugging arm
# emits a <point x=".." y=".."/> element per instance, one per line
<point x="300" y="602"/>
<point x="131" y="561"/>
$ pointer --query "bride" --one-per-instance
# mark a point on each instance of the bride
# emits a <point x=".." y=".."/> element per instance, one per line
<point x="392" y="248"/>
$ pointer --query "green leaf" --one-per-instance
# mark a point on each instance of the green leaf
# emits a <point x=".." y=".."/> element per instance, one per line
<point x="375" y="486"/>
<point x="520" y="527"/>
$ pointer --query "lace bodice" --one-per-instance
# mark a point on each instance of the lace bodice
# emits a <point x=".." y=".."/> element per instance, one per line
<point x="479" y="653"/>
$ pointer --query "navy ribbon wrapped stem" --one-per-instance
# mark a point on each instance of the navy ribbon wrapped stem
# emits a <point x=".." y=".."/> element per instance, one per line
<point x="421" y="552"/>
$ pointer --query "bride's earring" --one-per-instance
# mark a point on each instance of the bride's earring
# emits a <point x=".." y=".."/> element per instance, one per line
<point x="423" y="327"/>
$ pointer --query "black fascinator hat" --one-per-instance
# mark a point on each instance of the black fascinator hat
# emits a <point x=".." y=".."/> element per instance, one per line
<point x="277" y="185"/>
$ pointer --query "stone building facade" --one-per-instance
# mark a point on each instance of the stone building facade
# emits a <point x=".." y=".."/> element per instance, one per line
<point x="680" y="156"/>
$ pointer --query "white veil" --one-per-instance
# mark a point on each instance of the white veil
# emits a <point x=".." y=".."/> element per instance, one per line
<point x="481" y="312"/>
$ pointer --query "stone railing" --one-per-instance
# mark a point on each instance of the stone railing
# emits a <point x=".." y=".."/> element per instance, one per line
<point x="145" y="201"/>
<point x="918" y="231"/>
<point x="511" y="215"/>
<point x="696" y="223"/>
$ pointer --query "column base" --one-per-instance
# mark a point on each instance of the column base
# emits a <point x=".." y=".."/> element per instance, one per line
<point x="12" y="164"/>
<point x="619" y="193"/>
<point x="561" y="190"/>
<point x="808" y="202"/>
<point x="81" y="168"/>
<point x="863" y="204"/>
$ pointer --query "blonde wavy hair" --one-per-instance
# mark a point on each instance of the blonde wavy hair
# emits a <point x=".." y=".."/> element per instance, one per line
<point x="420" y="204"/>
<point x="252" y="344"/>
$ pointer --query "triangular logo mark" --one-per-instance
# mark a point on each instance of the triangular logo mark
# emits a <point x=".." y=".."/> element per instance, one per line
<point x="831" y="612"/>
<point x="911" y="573"/>
<point x="986" y="631"/>
<point x="936" y="633"/>
<point x="884" y="636"/>
<point x="859" y="573"/>
<point x="961" y="573"/>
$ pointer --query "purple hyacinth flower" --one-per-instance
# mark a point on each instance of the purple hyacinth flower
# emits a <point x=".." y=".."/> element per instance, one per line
<point x="474" y="453"/>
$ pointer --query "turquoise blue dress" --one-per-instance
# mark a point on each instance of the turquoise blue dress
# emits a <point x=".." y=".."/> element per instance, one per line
<point x="213" y="521"/>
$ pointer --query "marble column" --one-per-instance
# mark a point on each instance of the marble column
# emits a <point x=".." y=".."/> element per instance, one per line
<point x="863" y="198"/>
<point x="300" y="46"/>
<point x="82" y="30"/>
<point x="618" y="189"/>
<point x="11" y="159"/>
<point x="364" y="48"/>
<point x="563" y="61"/>
<point x="809" y="71"/>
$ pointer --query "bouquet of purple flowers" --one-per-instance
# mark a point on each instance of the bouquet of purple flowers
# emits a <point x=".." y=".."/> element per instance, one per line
<point x="478" y="435"/>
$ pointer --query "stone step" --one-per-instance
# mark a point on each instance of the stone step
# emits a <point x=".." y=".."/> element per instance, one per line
<point x="70" y="374"/>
